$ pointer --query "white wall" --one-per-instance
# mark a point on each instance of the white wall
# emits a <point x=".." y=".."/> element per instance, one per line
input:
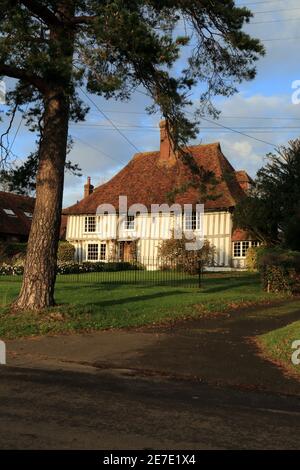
<point x="149" y="231"/>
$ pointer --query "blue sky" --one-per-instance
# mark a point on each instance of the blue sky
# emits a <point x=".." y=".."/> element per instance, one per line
<point x="262" y="109"/>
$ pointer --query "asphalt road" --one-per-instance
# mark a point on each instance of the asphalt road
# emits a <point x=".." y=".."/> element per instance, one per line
<point x="61" y="409"/>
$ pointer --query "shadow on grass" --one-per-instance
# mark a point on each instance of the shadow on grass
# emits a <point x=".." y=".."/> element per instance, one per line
<point x="139" y="298"/>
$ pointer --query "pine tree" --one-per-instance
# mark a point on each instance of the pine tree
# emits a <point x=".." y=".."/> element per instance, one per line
<point x="272" y="209"/>
<point x="110" y="47"/>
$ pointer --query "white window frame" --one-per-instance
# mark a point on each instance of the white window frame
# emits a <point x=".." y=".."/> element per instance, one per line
<point x="96" y="252"/>
<point x="89" y="222"/>
<point x="129" y="223"/>
<point x="237" y="249"/>
<point x="192" y="221"/>
<point x="28" y="214"/>
<point x="242" y="250"/>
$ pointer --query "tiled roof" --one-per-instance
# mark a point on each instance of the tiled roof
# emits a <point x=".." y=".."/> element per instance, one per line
<point x="19" y="224"/>
<point x="146" y="181"/>
<point x="240" y="235"/>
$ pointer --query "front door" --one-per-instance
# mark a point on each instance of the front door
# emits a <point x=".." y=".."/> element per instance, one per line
<point x="125" y="251"/>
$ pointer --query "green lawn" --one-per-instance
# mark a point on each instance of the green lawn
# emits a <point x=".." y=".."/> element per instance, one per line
<point x="84" y="303"/>
<point x="276" y="345"/>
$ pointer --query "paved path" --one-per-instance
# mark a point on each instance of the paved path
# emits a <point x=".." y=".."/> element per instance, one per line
<point x="198" y="384"/>
<point x="215" y="350"/>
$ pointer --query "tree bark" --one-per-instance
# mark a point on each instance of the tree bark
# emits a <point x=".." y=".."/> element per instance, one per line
<point x="37" y="291"/>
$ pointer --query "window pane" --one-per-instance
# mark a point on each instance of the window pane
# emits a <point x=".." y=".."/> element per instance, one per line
<point x="129" y="222"/>
<point x="90" y="224"/>
<point x="103" y="251"/>
<point x="245" y="246"/>
<point x="93" y="252"/>
<point x="237" y="249"/>
<point x="192" y="222"/>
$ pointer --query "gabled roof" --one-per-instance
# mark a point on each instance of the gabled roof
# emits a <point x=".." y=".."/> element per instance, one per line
<point x="19" y="223"/>
<point x="147" y="181"/>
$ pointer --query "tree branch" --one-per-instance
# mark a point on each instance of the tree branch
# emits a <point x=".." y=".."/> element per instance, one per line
<point x="42" y="12"/>
<point x="83" y="19"/>
<point x="21" y="74"/>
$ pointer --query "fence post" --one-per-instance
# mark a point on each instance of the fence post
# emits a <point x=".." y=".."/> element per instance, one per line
<point x="199" y="274"/>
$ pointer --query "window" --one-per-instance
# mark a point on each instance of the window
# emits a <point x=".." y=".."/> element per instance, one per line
<point x="129" y="222"/>
<point x="192" y="221"/>
<point x="10" y="212"/>
<point x="240" y="248"/>
<point x="103" y="251"/>
<point x="237" y="249"/>
<point x="245" y="246"/>
<point x="93" y="252"/>
<point x="90" y="224"/>
<point x="28" y="214"/>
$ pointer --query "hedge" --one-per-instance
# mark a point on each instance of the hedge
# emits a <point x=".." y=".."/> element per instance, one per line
<point x="280" y="269"/>
<point x="75" y="268"/>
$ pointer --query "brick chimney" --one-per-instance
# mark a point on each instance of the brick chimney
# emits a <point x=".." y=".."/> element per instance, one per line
<point x="244" y="180"/>
<point x="88" y="187"/>
<point x="167" y="155"/>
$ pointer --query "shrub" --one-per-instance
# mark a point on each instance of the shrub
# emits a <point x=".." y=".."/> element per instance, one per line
<point x="13" y="249"/>
<point x="280" y="269"/>
<point x="66" y="252"/>
<point x="9" y="270"/>
<point x="251" y="259"/>
<point x="88" y="267"/>
<point x="173" y="254"/>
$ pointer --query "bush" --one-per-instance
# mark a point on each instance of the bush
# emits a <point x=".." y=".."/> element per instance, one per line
<point x="280" y="269"/>
<point x="9" y="270"/>
<point x="11" y="252"/>
<point x="66" y="252"/>
<point x="251" y="259"/>
<point x="13" y="249"/>
<point x="97" y="267"/>
<point x="173" y="254"/>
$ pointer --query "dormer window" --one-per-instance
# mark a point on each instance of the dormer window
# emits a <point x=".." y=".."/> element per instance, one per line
<point x="129" y="222"/>
<point x="90" y="224"/>
<point x="10" y="212"/>
<point x="28" y="214"/>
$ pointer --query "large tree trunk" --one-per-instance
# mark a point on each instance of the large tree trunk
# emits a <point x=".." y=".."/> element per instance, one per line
<point x="37" y="290"/>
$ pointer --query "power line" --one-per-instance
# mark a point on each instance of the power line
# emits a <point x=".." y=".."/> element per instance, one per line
<point x="19" y="127"/>
<point x="97" y="150"/>
<point x="276" y="11"/>
<point x="274" y="21"/>
<point x="224" y="116"/>
<point x="110" y="121"/>
<point x="281" y="39"/>
<point x="238" y="132"/>
<point x="258" y="3"/>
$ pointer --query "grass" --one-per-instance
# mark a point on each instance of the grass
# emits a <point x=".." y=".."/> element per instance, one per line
<point x="87" y="304"/>
<point x="276" y="346"/>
